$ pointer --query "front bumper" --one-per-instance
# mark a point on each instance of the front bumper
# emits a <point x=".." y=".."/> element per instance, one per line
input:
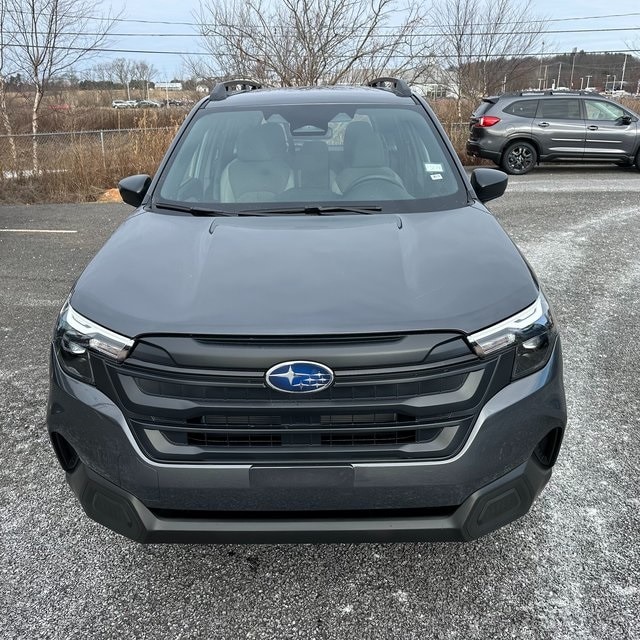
<point x="493" y="506"/>
<point x="491" y="481"/>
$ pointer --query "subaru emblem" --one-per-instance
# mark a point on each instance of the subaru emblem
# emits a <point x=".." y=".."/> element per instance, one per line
<point x="299" y="376"/>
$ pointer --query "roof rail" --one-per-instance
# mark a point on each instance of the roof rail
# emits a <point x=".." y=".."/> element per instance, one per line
<point x="395" y="85"/>
<point x="223" y="89"/>
<point x="556" y="92"/>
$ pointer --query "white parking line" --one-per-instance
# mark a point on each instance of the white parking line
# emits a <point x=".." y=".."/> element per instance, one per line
<point x="39" y="230"/>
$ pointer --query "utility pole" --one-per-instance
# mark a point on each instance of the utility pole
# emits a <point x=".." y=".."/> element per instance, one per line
<point x="573" y="64"/>
<point x="606" y="83"/>
<point x="544" y="82"/>
<point x="624" y="67"/>
<point x="581" y="82"/>
<point x="588" y="78"/>
<point x="559" y="70"/>
<point x="504" y="84"/>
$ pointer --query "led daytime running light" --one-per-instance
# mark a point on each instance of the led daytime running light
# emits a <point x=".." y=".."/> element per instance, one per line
<point x="98" y="338"/>
<point x="505" y="333"/>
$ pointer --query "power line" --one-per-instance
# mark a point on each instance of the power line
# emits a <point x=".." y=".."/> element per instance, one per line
<point x="382" y="56"/>
<point x="479" y="24"/>
<point x="431" y="34"/>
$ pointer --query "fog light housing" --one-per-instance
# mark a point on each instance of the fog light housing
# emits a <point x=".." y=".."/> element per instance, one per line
<point x="67" y="456"/>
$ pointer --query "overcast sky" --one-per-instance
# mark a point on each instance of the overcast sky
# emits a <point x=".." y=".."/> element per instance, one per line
<point x="174" y="12"/>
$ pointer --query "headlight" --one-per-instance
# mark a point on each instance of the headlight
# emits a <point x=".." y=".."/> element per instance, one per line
<point x="532" y="332"/>
<point x="76" y="336"/>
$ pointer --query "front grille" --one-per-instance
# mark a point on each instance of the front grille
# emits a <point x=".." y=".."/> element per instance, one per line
<point x="302" y="420"/>
<point x="403" y="409"/>
<point x="365" y="438"/>
<point x="252" y="389"/>
<point x="368" y="438"/>
<point x="207" y="439"/>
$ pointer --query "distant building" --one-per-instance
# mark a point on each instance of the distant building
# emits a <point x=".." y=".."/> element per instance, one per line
<point x="169" y="86"/>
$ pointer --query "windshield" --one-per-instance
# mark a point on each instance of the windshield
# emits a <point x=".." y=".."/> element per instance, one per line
<point x="330" y="155"/>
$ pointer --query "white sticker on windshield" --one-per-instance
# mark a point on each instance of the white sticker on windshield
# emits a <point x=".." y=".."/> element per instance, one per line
<point x="436" y="176"/>
<point x="433" y="167"/>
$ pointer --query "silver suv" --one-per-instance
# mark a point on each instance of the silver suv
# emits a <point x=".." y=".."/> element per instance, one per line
<point x="517" y="131"/>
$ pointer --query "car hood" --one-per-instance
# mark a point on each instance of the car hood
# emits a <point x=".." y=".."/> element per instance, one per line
<point x="282" y="275"/>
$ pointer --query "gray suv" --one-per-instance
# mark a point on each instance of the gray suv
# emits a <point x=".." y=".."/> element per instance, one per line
<point x="517" y="131"/>
<point x="309" y="329"/>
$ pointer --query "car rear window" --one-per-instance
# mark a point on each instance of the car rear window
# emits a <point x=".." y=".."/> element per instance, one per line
<point x="482" y="108"/>
<point x="522" y="108"/>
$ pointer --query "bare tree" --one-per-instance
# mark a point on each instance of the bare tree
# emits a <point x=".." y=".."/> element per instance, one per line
<point x="483" y="41"/>
<point x="144" y="73"/>
<point x="50" y="37"/>
<point x="5" y="43"/>
<point x="123" y="72"/>
<point x="308" y="42"/>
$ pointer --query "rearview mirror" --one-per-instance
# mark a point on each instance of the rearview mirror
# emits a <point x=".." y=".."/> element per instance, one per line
<point x="489" y="184"/>
<point x="134" y="188"/>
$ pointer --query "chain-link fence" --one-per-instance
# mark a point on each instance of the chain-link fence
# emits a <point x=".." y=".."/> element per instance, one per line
<point x="44" y="152"/>
<point x="76" y="165"/>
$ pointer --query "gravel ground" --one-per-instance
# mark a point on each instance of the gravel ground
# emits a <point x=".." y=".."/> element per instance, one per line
<point x="570" y="569"/>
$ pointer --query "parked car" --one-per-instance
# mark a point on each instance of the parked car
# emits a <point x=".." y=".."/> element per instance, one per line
<point x="310" y="329"/>
<point x="518" y="131"/>
<point x="124" y="104"/>
<point x="147" y="104"/>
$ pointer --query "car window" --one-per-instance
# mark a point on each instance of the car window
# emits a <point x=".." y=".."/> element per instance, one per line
<point x="482" y="108"/>
<point x="559" y="109"/>
<point x="310" y="155"/>
<point x="598" y="110"/>
<point x="522" y="108"/>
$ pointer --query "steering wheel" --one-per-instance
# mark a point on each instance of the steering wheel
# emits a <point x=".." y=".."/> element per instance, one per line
<point x="376" y="178"/>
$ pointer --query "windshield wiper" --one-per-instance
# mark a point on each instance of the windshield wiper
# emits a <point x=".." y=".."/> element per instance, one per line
<point x="194" y="211"/>
<point x="310" y="211"/>
<point x="313" y="211"/>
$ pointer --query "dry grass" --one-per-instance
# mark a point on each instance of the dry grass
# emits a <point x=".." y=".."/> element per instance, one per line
<point x="77" y="170"/>
<point x="80" y="168"/>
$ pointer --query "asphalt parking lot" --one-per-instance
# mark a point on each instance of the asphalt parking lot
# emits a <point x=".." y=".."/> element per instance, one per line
<point x="570" y="569"/>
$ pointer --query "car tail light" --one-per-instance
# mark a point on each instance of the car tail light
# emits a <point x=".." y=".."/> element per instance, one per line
<point x="487" y="121"/>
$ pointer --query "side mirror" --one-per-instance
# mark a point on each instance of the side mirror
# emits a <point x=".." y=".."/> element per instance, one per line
<point x="489" y="184"/>
<point x="134" y="188"/>
<point x="625" y="119"/>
